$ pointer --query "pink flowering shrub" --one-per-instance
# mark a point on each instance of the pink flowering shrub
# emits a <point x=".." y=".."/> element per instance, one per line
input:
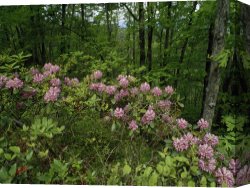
<point x="136" y="112"/>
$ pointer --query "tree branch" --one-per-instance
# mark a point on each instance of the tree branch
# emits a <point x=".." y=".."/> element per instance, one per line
<point x="130" y="11"/>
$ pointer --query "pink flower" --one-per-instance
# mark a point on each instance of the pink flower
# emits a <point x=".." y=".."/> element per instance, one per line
<point x="156" y="91"/>
<point x="123" y="82"/>
<point x="211" y="139"/>
<point x="46" y="74"/>
<point x="169" y="90"/>
<point x="55" y="82"/>
<point x="47" y="66"/>
<point x="71" y="82"/>
<point x="132" y="125"/>
<point x="34" y="71"/>
<point x="145" y="87"/>
<point x="119" y="113"/>
<point x="191" y="139"/>
<point x="50" y="68"/>
<point x="97" y="75"/>
<point x="120" y="77"/>
<point x="117" y="97"/>
<point x="52" y="94"/>
<point x="14" y="83"/>
<point x="167" y="119"/>
<point x="3" y="80"/>
<point x="188" y="137"/>
<point x="164" y="104"/>
<point x="180" y="144"/>
<point x="207" y="166"/>
<point x="234" y="165"/>
<point x="134" y="91"/>
<point x="205" y="151"/>
<point x="182" y="123"/>
<point x="54" y="69"/>
<point x="110" y="90"/>
<point x="38" y="78"/>
<point x="100" y="87"/>
<point x="124" y="93"/>
<point x="243" y="176"/>
<point x="224" y="175"/>
<point x="203" y="124"/>
<point x="149" y="116"/>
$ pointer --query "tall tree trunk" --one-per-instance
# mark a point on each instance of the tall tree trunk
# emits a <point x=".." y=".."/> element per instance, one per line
<point x="83" y="21"/>
<point x="134" y="30"/>
<point x="166" y="42"/>
<point x="63" y="42"/>
<point x="214" y="78"/>
<point x="141" y="34"/>
<point x="208" y="63"/>
<point x="150" y="35"/>
<point x="245" y="16"/>
<point x="108" y="21"/>
<point x="183" y="49"/>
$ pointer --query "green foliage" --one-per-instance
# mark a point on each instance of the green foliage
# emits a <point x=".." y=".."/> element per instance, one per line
<point x="222" y="57"/>
<point x="43" y="127"/>
<point x="10" y="64"/>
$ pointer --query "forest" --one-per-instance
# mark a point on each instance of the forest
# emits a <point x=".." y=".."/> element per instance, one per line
<point x="135" y="93"/>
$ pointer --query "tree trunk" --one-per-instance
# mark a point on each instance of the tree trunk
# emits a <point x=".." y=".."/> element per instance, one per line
<point x="83" y="21"/>
<point x="134" y="57"/>
<point x="183" y="49"/>
<point x="63" y="42"/>
<point x="141" y="34"/>
<point x="108" y="21"/>
<point x="208" y="63"/>
<point x="214" y="78"/>
<point x="166" y="42"/>
<point x="150" y="35"/>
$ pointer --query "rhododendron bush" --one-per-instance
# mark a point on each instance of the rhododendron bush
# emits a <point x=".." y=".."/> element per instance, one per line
<point x="43" y="114"/>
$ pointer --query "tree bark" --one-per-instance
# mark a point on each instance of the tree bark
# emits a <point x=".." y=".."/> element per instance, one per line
<point x="141" y="34"/>
<point x="108" y="21"/>
<point x="208" y="63"/>
<point x="214" y="78"/>
<point x="63" y="43"/>
<point x="166" y="42"/>
<point x="83" y="21"/>
<point x="150" y="35"/>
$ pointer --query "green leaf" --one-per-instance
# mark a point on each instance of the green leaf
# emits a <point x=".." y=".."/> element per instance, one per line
<point x="15" y="149"/>
<point x="191" y="183"/>
<point x="7" y="156"/>
<point x="126" y="169"/>
<point x="1" y="151"/>
<point x="203" y="181"/>
<point x="29" y="155"/>
<point x="43" y="154"/>
<point x="212" y="184"/>
<point x="113" y="127"/>
<point x="184" y="175"/>
<point x="194" y="170"/>
<point x="153" y="179"/>
<point x="12" y="170"/>
<point x="159" y="168"/>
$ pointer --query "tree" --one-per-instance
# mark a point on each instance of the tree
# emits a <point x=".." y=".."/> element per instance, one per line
<point x="141" y="34"/>
<point x="150" y="34"/>
<point x="214" y="78"/>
